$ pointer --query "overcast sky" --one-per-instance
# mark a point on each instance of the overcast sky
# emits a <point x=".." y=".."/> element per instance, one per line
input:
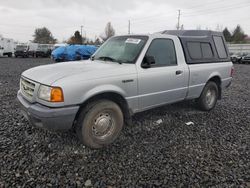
<point x="19" y="18"/>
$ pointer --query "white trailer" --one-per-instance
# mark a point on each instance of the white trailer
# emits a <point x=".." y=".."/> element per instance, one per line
<point x="6" y="47"/>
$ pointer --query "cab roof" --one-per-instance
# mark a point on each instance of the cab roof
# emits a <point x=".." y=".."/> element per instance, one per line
<point x="192" y="33"/>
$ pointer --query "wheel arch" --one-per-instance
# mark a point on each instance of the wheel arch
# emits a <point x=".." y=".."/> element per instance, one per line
<point x="112" y="96"/>
<point x="216" y="79"/>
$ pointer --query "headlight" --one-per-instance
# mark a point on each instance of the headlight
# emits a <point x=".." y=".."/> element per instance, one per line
<point x="50" y="94"/>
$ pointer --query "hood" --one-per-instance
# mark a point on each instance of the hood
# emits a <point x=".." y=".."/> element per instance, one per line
<point x="48" y="74"/>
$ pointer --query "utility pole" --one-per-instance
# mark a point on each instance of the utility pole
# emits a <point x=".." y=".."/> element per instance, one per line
<point x="129" y="27"/>
<point x="81" y="32"/>
<point x="179" y="16"/>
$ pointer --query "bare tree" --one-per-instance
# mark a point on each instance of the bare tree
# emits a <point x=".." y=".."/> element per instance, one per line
<point x="219" y="28"/>
<point x="198" y="27"/>
<point x="109" y="32"/>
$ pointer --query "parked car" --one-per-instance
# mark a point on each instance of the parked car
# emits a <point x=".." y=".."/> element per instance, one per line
<point x="43" y="50"/>
<point x="127" y="74"/>
<point x="235" y="58"/>
<point x="21" y="50"/>
<point x="245" y="59"/>
<point x="26" y="50"/>
<point x="6" y="47"/>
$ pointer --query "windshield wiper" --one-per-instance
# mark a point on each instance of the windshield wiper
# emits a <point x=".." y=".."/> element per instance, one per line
<point x="106" y="58"/>
<point x="125" y="61"/>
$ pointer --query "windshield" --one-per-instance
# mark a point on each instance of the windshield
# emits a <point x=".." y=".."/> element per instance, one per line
<point x="123" y="49"/>
<point x="21" y="47"/>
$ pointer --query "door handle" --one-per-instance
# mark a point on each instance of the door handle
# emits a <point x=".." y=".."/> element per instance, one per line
<point x="178" y="72"/>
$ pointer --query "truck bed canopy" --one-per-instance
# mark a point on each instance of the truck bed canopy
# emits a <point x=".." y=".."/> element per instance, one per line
<point x="202" y="46"/>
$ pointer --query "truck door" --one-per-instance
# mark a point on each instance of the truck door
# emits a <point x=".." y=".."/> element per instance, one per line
<point x="166" y="80"/>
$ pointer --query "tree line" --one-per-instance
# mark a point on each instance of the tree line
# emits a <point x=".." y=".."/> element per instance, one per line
<point x="236" y="36"/>
<point x="44" y="36"/>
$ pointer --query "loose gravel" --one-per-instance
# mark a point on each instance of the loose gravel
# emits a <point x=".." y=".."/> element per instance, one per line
<point x="159" y="150"/>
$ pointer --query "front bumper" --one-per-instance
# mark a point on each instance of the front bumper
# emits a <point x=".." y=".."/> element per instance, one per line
<point x="40" y="116"/>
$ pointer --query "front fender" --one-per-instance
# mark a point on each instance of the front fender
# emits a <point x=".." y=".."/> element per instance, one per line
<point x="103" y="89"/>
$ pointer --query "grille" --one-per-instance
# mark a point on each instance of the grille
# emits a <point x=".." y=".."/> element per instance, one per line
<point x="27" y="87"/>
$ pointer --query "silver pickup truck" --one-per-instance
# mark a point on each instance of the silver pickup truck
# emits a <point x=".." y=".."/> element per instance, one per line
<point x="127" y="75"/>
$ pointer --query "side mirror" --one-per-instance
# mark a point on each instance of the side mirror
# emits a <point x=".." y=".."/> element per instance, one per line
<point x="148" y="61"/>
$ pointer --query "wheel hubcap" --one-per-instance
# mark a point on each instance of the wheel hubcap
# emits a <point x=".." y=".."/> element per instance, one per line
<point x="210" y="97"/>
<point x="103" y="125"/>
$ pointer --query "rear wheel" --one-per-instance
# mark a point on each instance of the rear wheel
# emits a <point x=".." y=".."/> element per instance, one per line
<point x="209" y="96"/>
<point x="99" y="123"/>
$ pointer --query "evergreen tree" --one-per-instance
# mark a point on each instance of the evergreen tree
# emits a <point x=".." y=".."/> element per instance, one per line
<point x="238" y="35"/>
<point x="76" y="39"/>
<point x="227" y="35"/>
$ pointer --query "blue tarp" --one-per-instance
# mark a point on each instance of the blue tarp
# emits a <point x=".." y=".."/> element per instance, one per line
<point x="58" y="53"/>
<point x="73" y="52"/>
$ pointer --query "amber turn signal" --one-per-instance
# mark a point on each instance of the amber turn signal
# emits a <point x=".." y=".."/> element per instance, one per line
<point x="56" y="94"/>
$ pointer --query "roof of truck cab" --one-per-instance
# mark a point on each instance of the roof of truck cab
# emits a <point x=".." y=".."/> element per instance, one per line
<point x="192" y="33"/>
<point x="180" y="33"/>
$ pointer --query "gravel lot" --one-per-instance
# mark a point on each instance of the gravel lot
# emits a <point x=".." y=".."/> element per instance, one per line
<point x="213" y="152"/>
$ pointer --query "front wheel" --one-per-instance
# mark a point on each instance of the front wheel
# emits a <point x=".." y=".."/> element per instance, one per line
<point x="99" y="123"/>
<point x="209" y="96"/>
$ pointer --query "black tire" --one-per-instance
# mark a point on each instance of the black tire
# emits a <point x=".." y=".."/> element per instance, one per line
<point x="10" y="55"/>
<point x="209" y="96"/>
<point x="104" y="116"/>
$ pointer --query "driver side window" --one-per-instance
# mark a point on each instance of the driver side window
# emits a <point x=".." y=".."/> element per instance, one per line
<point x="163" y="51"/>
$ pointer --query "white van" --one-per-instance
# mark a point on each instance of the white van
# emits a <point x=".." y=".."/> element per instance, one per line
<point x="26" y="50"/>
<point x="6" y="47"/>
